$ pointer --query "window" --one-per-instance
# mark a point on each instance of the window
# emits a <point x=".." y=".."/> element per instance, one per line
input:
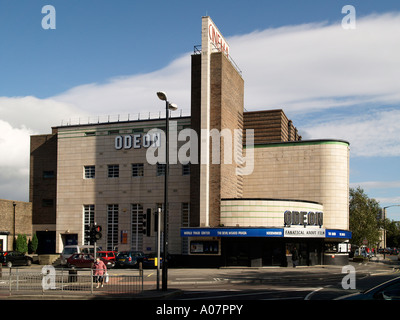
<point x="112" y="132"/>
<point x="112" y="227"/>
<point x="186" y="169"/>
<point x="88" y="211"/>
<point x="137" y="170"/>
<point x="185" y="222"/>
<point x="48" y="174"/>
<point x="113" y="171"/>
<point x="47" y="203"/>
<point x="160" y="169"/>
<point x="90" y="172"/>
<point x="137" y="226"/>
<point x="90" y="134"/>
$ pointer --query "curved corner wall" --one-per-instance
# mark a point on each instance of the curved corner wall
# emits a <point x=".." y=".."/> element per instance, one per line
<point x="261" y="212"/>
<point x="315" y="170"/>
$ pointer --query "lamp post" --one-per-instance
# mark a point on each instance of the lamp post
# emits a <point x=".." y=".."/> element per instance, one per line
<point x="168" y="106"/>
<point x="384" y="228"/>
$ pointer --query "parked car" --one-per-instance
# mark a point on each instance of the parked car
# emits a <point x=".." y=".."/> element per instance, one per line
<point x="108" y="257"/>
<point x="389" y="290"/>
<point x="85" y="260"/>
<point x="14" y="258"/>
<point x="129" y="258"/>
<point x="149" y="260"/>
<point x="80" y="260"/>
<point x="69" y="250"/>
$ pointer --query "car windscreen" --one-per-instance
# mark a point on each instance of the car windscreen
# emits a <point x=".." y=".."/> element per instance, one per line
<point x="123" y="254"/>
<point x="69" y="251"/>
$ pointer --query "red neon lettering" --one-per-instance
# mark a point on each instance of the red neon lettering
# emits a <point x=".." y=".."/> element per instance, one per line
<point x="217" y="39"/>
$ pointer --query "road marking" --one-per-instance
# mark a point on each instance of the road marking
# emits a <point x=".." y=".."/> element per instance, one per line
<point x="311" y="293"/>
<point x="150" y="274"/>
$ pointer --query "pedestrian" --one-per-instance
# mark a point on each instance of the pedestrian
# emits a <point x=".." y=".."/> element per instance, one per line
<point x="295" y="257"/>
<point x="99" y="271"/>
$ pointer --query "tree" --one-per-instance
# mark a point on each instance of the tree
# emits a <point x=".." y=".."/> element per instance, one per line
<point x="21" y="243"/>
<point x="33" y="244"/>
<point x="392" y="233"/>
<point x="363" y="217"/>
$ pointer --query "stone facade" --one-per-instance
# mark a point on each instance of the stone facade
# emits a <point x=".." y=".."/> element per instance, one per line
<point x="304" y="170"/>
<point x="130" y="196"/>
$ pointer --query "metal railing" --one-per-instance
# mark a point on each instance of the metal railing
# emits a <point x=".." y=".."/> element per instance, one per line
<point x="68" y="281"/>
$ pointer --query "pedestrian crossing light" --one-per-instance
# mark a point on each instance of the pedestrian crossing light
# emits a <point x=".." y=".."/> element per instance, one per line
<point x="95" y="233"/>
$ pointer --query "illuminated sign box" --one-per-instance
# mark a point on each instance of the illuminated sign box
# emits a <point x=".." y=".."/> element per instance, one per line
<point x="231" y="232"/>
<point x="292" y="232"/>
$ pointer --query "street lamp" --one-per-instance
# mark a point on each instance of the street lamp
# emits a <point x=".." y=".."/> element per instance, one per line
<point x="168" y="106"/>
<point x="384" y="228"/>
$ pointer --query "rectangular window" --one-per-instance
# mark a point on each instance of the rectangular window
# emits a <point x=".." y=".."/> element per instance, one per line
<point x="137" y="170"/>
<point x="112" y="227"/>
<point x="48" y="174"/>
<point x="47" y="203"/>
<point x="160" y="169"/>
<point x="185" y="223"/>
<point x="88" y="211"/>
<point x="90" y="172"/>
<point x="113" y="171"/>
<point x="186" y="169"/>
<point x="137" y="226"/>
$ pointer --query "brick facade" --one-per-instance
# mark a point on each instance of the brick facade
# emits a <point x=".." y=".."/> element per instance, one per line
<point x="23" y="221"/>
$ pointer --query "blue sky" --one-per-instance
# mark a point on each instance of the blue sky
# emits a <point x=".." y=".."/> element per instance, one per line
<point x="110" y="57"/>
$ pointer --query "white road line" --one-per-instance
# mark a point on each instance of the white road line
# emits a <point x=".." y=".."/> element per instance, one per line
<point x="311" y="293"/>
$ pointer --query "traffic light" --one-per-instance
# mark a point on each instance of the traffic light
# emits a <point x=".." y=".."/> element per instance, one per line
<point x="147" y="223"/>
<point x="95" y="233"/>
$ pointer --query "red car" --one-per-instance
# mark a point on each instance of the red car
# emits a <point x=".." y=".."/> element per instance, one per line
<point x="108" y="257"/>
<point x="85" y="260"/>
<point x="80" y="260"/>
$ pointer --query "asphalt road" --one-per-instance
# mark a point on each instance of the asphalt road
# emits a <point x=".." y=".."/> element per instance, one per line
<point x="301" y="283"/>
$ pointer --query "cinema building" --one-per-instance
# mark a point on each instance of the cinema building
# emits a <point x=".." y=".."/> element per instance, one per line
<point x="269" y="192"/>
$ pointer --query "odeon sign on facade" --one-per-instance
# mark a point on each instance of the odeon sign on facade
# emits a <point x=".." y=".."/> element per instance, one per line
<point x="137" y="141"/>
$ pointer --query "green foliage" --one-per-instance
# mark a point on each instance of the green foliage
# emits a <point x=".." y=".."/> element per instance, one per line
<point x="33" y="244"/>
<point x="364" y="213"/>
<point x="21" y="243"/>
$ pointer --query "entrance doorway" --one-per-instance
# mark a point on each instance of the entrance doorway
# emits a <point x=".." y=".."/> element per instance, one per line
<point x="309" y="251"/>
<point x="69" y="239"/>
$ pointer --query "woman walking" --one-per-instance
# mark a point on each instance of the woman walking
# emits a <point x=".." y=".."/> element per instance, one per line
<point x="99" y="271"/>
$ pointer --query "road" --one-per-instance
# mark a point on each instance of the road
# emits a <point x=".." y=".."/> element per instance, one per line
<point x="301" y="283"/>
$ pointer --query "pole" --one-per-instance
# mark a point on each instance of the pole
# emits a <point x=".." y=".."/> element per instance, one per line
<point x="158" y="246"/>
<point x="165" y="241"/>
<point x="384" y="233"/>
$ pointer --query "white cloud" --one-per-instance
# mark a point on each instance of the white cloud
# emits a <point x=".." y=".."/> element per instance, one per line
<point x="371" y="134"/>
<point x="38" y="115"/>
<point x="376" y="184"/>
<point x="135" y="94"/>
<point x="316" y="66"/>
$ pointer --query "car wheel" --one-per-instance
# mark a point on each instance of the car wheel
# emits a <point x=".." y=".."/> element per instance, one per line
<point x="28" y="262"/>
<point x="9" y="264"/>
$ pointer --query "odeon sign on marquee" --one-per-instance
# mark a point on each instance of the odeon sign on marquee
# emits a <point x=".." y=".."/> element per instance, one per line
<point x="303" y="218"/>
<point x="137" y="141"/>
